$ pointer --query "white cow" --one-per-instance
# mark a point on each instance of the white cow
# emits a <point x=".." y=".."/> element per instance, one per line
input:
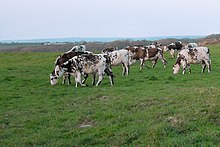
<point x="197" y="55"/>
<point x="118" y="57"/>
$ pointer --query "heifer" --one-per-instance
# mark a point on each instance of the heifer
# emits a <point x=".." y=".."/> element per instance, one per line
<point x="197" y="55"/>
<point x="118" y="57"/>
<point x="173" y="47"/>
<point x="145" y="53"/>
<point x="83" y="65"/>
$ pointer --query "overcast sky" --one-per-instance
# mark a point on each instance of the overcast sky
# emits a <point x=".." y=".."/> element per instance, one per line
<point x="34" y="19"/>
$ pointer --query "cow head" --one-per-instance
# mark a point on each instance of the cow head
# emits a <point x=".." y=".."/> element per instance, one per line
<point x="56" y="73"/>
<point x="176" y="68"/>
<point x="181" y="61"/>
<point x="53" y="78"/>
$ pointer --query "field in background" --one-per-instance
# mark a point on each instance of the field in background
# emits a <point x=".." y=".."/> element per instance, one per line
<point x="149" y="107"/>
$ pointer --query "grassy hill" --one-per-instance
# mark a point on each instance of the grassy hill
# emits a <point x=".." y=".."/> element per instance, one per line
<point x="151" y="107"/>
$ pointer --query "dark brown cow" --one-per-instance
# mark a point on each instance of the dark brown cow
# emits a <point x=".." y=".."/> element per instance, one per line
<point x="143" y="53"/>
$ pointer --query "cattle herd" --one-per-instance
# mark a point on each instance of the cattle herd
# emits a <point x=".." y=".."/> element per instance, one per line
<point x="80" y="63"/>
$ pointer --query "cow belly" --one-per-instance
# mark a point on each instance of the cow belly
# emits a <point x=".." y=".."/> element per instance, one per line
<point x="152" y="58"/>
<point x="89" y="70"/>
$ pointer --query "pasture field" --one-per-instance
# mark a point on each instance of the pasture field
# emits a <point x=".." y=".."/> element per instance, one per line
<point x="151" y="107"/>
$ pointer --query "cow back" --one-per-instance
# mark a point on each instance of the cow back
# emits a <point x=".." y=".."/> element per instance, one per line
<point x="152" y="52"/>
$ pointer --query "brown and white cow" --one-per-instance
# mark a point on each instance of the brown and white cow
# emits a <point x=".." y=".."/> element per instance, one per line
<point x="144" y="53"/>
<point x="83" y="65"/>
<point x="197" y="55"/>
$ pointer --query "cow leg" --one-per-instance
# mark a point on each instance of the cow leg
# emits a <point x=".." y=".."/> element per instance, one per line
<point x="78" y="79"/>
<point x="124" y="69"/>
<point x="101" y="75"/>
<point x="69" y="82"/>
<point x="93" y="79"/>
<point x="110" y="75"/>
<point x="85" y="78"/>
<point x="142" y="64"/>
<point x="65" y="75"/>
<point x="64" y="79"/>
<point x="189" y="68"/>
<point x="203" y="66"/>
<point x="208" y="64"/>
<point x="127" y="68"/>
<point x="154" y="62"/>
<point x="184" y="69"/>
<point x="164" y="61"/>
<point x="172" y="53"/>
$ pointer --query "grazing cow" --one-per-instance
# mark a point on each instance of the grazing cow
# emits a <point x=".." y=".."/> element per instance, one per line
<point x="83" y="65"/>
<point x="197" y="55"/>
<point x="118" y="57"/>
<point x="144" y="53"/>
<point x="75" y="51"/>
<point x="173" y="47"/>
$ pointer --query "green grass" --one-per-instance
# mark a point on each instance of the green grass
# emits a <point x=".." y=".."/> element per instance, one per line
<point x="151" y="107"/>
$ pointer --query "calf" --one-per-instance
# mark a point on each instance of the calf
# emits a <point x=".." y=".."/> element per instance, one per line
<point x="82" y="66"/>
<point x="197" y="55"/>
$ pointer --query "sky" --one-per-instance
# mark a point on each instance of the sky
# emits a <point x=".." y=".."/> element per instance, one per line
<point x="36" y="19"/>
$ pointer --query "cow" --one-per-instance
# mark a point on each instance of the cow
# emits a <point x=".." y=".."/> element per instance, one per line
<point x="118" y="57"/>
<point x="83" y="65"/>
<point x="197" y="55"/>
<point x="144" y="53"/>
<point x="173" y="47"/>
<point x="75" y="51"/>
